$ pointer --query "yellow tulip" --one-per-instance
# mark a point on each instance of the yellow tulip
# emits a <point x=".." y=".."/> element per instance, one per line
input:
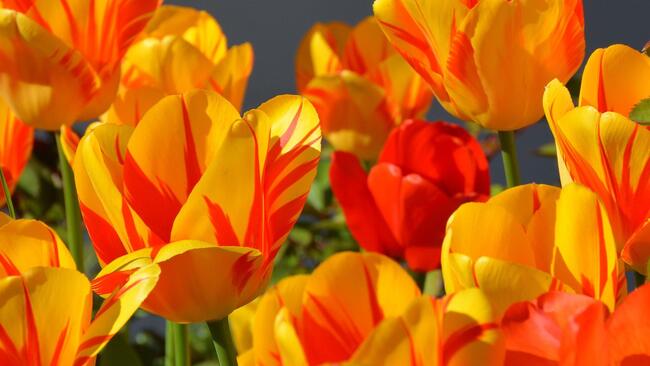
<point x="60" y="61"/>
<point x="360" y="87"/>
<point x="208" y="195"/>
<point x="529" y="240"/>
<point x="363" y="309"/>
<point x="601" y="148"/>
<point x="488" y="60"/>
<point x="45" y="317"/>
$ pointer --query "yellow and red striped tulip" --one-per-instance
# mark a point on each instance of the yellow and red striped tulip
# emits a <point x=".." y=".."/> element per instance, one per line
<point x="16" y="140"/>
<point x="363" y="309"/>
<point x="180" y="49"/>
<point x="488" y="60"/>
<point x="360" y="87"/>
<point x="60" y="61"/>
<point x="533" y="239"/>
<point x="212" y="207"/>
<point x="45" y="317"/>
<point x="600" y="147"/>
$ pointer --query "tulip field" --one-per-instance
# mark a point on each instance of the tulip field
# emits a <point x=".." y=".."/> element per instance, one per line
<point x="150" y="217"/>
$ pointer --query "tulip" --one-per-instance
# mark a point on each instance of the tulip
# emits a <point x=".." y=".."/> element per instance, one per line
<point x="425" y="171"/>
<point x="180" y="49"/>
<point x="363" y="309"/>
<point x="45" y="318"/>
<point x="565" y="329"/>
<point x="600" y="147"/>
<point x="16" y="147"/>
<point x="212" y="207"/>
<point x="360" y="87"/>
<point x="487" y="61"/>
<point x="60" y="61"/>
<point x="534" y="238"/>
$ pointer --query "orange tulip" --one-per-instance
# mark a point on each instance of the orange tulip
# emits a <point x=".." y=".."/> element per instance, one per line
<point x="45" y="317"/>
<point x="488" y="60"/>
<point x="212" y="207"/>
<point x="60" y="61"/>
<point x="363" y="309"/>
<point x="601" y="148"/>
<point x="180" y="49"/>
<point x="566" y="329"/>
<point x="534" y="238"/>
<point x="360" y="87"/>
<point x="16" y="140"/>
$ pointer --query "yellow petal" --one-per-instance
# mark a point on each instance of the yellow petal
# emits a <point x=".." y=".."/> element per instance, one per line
<point x="197" y="27"/>
<point x="349" y="107"/>
<point x="131" y="104"/>
<point x="366" y="47"/>
<point x="320" y="52"/>
<point x="287" y="294"/>
<point x="230" y="76"/>
<point x="586" y="257"/>
<point x="157" y="182"/>
<point x="289" y="347"/>
<point x="117" y="310"/>
<point x="44" y="313"/>
<point x="550" y="46"/>
<point x="615" y="79"/>
<point x="222" y="278"/>
<point x="171" y="64"/>
<point x="557" y="102"/>
<point x="345" y="298"/>
<point x="44" y="81"/>
<point x="25" y="244"/>
<point x="241" y="326"/>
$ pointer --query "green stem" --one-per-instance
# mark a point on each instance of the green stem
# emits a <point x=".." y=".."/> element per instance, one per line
<point x="223" y="344"/>
<point x="5" y="188"/>
<point x="509" y="155"/>
<point x="433" y="285"/>
<point x="169" y="344"/>
<point x="181" y="340"/>
<point x="72" y="213"/>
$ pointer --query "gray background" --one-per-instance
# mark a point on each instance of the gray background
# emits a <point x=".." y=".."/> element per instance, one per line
<point x="275" y="28"/>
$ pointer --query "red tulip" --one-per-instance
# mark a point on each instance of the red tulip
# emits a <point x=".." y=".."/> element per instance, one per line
<point x="425" y="171"/>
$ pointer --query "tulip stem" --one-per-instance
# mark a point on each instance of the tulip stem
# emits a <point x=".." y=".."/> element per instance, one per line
<point x="433" y="285"/>
<point x="223" y="344"/>
<point x="180" y="337"/>
<point x="5" y="188"/>
<point x="72" y="213"/>
<point x="169" y="344"/>
<point x="509" y="155"/>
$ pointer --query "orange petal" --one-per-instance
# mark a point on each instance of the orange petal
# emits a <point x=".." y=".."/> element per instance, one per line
<point x="16" y="148"/>
<point x="230" y="76"/>
<point x="628" y="343"/>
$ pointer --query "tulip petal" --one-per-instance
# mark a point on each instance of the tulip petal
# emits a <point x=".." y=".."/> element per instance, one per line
<point x="16" y="148"/>
<point x="628" y="343"/>
<point x="131" y="104"/>
<point x="350" y="108"/>
<point x="320" y="51"/>
<point x="287" y="294"/>
<point x="152" y="183"/>
<point x="553" y="39"/>
<point x="196" y="27"/>
<point x="230" y="76"/>
<point x="289" y="347"/>
<point x="39" y="73"/>
<point x="591" y="269"/>
<point x="345" y="298"/>
<point x="350" y="186"/>
<point x="615" y="79"/>
<point x="25" y="244"/>
<point x="279" y="148"/>
<point x="42" y="317"/>
<point x="116" y="311"/>
<point x="366" y="47"/>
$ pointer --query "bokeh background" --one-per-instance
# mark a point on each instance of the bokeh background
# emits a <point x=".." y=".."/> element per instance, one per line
<point x="275" y="28"/>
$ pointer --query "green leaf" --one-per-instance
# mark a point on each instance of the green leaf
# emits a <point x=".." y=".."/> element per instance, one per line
<point x="641" y="112"/>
